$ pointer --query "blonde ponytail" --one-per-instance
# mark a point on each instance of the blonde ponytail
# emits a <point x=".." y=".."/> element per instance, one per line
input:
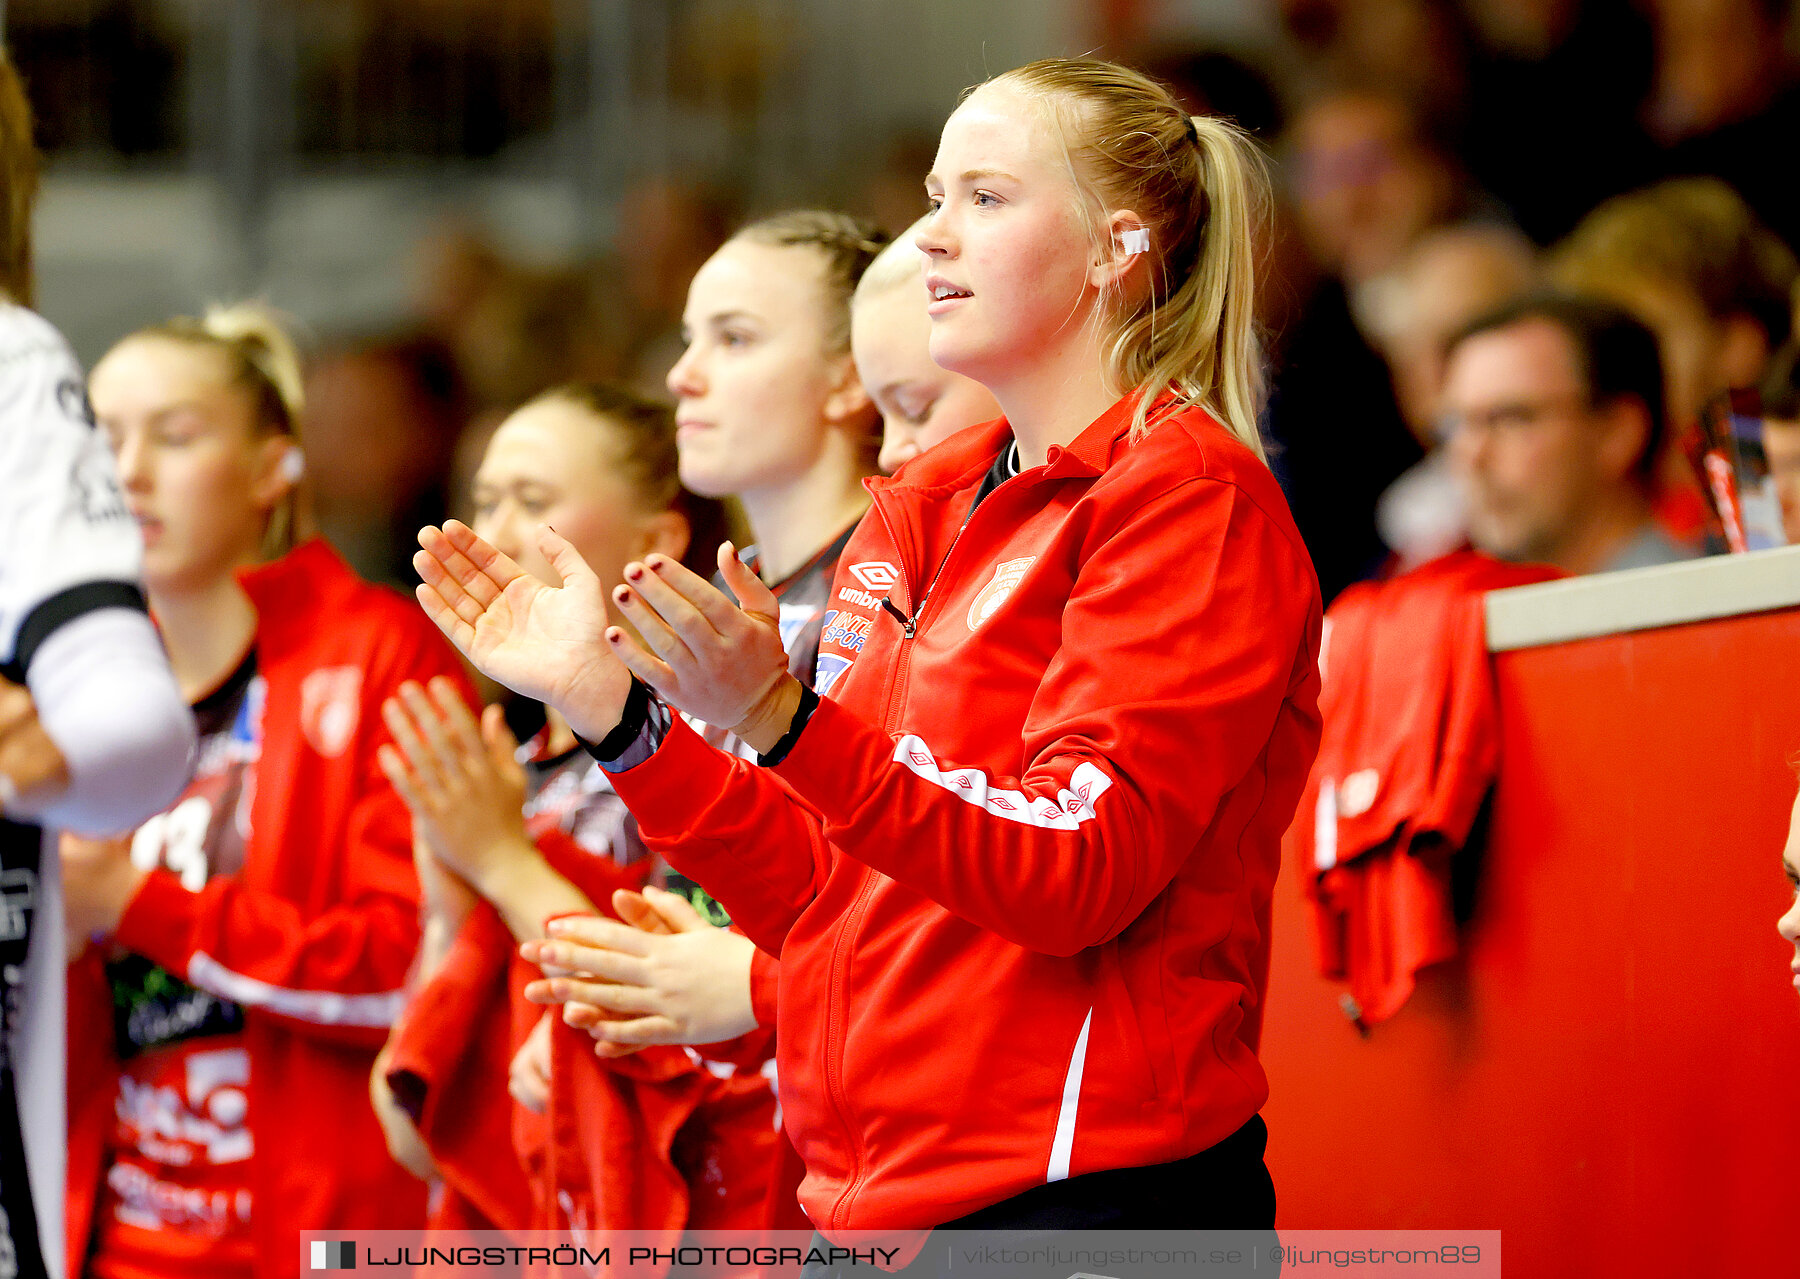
<point x="257" y="334"/>
<point x="1202" y="340"/>
<point x="1201" y="187"/>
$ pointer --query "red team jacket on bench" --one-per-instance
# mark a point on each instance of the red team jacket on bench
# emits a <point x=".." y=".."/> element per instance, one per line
<point x="1028" y="938"/>
<point x="1410" y="747"/>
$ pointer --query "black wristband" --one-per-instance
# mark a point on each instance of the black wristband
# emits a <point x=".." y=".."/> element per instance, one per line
<point x="809" y="702"/>
<point x="636" y="736"/>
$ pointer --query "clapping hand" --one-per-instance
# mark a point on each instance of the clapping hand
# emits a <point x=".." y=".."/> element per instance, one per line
<point x="460" y="779"/>
<point x="720" y="662"/>
<point x="543" y="641"/>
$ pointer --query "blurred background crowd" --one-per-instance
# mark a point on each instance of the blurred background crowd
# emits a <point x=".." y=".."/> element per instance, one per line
<point x="467" y="201"/>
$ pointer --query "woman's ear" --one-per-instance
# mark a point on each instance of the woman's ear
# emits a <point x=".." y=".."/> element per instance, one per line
<point x="847" y="399"/>
<point x="1122" y="258"/>
<point x="277" y="470"/>
<point x="667" y="533"/>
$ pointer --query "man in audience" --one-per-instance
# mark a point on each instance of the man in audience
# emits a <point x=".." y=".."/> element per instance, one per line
<point x="1452" y="275"/>
<point x="1554" y="412"/>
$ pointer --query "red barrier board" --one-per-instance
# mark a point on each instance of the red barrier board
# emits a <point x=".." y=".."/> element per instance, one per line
<point x="1609" y="1074"/>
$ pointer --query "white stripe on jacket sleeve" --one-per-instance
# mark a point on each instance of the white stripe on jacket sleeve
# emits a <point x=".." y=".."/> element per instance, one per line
<point x="323" y="1007"/>
<point x="1072" y="806"/>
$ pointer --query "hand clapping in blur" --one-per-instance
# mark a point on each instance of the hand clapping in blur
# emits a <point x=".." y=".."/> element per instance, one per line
<point x="665" y="976"/>
<point x="460" y="779"/>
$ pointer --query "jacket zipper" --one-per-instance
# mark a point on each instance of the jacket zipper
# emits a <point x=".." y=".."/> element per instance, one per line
<point x="835" y="999"/>
<point x="909" y="625"/>
<point x="898" y="680"/>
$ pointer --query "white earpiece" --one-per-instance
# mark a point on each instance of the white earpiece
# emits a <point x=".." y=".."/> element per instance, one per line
<point x="293" y="465"/>
<point x="1135" y="241"/>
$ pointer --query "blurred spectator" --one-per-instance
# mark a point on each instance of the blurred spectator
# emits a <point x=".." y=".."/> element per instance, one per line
<point x="534" y="328"/>
<point x="1781" y="433"/>
<point x="513" y="330"/>
<point x="1554" y="407"/>
<point x="383" y="421"/>
<point x="1208" y="82"/>
<point x="1725" y="99"/>
<point x="893" y="197"/>
<point x="1451" y="276"/>
<point x="1367" y="183"/>
<point x="1367" y="180"/>
<point x="1690" y="259"/>
<point x="1413" y="47"/>
<point x="1448" y="278"/>
<point x="1555" y="88"/>
<point x="454" y="267"/>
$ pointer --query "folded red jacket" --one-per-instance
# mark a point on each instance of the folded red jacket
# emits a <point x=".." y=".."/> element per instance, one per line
<point x="1407" y="756"/>
<point x="447" y="1066"/>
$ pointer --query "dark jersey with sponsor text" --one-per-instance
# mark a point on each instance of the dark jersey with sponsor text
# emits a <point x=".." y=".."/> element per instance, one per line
<point x="806" y="613"/>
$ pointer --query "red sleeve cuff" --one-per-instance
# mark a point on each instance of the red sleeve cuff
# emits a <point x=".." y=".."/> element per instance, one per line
<point x="765" y="980"/>
<point x="157" y="922"/>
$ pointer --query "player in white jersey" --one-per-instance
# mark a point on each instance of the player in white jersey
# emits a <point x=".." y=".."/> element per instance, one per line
<point x="93" y="733"/>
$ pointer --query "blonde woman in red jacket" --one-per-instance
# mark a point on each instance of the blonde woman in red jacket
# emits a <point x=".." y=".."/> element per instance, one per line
<point x="248" y="945"/>
<point x="1018" y="865"/>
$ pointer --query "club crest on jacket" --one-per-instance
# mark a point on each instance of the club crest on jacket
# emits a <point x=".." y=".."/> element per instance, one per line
<point x="1007" y="575"/>
<point x="330" y="704"/>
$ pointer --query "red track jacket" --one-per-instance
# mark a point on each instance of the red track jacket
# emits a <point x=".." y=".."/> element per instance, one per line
<point x="1410" y="746"/>
<point x="1028" y="936"/>
<point x="313" y="938"/>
